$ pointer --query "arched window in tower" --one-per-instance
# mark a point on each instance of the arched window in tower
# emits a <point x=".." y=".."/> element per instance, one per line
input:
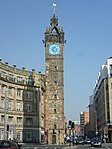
<point x="55" y="67"/>
<point x="55" y="83"/>
<point x="55" y="31"/>
<point x="55" y="97"/>
<point x="54" y="110"/>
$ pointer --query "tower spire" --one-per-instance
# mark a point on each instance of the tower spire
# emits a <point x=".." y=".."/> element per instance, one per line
<point x="54" y="8"/>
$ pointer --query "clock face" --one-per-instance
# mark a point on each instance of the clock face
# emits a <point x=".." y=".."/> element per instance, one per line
<point x="54" y="49"/>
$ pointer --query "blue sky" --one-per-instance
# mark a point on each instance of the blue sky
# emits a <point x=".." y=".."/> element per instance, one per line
<point x="88" y="31"/>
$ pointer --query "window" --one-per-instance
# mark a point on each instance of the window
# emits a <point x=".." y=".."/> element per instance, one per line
<point x="3" y="74"/>
<point x="19" y="120"/>
<point x="18" y="106"/>
<point x="18" y="92"/>
<point x="10" y="91"/>
<point x="3" y="89"/>
<point x="2" y="102"/>
<point x="29" y="81"/>
<point x="55" y="96"/>
<point x="28" y="107"/>
<point x="10" y="119"/>
<point x="28" y="135"/>
<point x="54" y="110"/>
<point x="10" y="104"/>
<point x="54" y="126"/>
<point x="28" y="94"/>
<point x="2" y="118"/>
<point x="11" y="77"/>
<point x="29" y="121"/>
<point x="55" y="82"/>
<point x="19" y="79"/>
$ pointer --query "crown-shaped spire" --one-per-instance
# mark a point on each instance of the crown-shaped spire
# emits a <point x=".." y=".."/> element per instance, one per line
<point x="54" y="9"/>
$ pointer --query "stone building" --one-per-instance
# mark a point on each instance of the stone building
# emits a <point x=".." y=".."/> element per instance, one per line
<point x="54" y="103"/>
<point x="21" y="104"/>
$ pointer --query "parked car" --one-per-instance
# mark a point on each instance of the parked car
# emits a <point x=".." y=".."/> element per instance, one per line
<point x="9" y="144"/>
<point x="96" y="142"/>
<point x="79" y="140"/>
<point x="87" y="141"/>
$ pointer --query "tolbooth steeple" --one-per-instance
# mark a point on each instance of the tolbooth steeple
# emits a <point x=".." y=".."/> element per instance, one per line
<point x="54" y="33"/>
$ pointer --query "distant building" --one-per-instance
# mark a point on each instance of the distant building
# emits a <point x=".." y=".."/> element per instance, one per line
<point x="84" y="119"/>
<point x="92" y="117"/>
<point x="77" y="127"/>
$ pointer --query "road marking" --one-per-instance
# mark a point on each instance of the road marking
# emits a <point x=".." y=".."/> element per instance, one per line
<point x="107" y="147"/>
<point x="27" y="148"/>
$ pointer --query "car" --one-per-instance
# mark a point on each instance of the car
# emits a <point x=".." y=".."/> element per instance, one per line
<point x="96" y="142"/>
<point x="9" y="144"/>
<point x="79" y="140"/>
<point x="87" y="141"/>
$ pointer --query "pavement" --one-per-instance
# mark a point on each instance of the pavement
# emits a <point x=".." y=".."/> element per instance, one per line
<point x="107" y="145"/>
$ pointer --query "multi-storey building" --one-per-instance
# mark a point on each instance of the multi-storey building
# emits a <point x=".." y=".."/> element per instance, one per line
<point x="77" y="128"/>
<point x="54" y="103"/>
<point x="84" y="119"/>
<point x="21" y="104"/>
<point x="92" y="118"/>
<point x="103" y="100"/>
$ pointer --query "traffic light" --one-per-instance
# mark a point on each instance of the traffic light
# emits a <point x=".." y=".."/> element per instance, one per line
<point x="72" y="124"/>
<point x="7" y="127"/>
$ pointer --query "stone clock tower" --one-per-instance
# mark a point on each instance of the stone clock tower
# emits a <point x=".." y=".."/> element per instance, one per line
<point x="54" y="102"/>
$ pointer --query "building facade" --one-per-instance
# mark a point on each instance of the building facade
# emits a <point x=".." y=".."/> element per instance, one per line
<point x="54" y="103"/>
<point x="22" y="96"/>
<point x="103" y="100"/>
<point x="92" y="118"/>
<point x="84" y="119"/>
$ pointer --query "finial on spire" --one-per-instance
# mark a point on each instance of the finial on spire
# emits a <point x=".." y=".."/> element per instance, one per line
<point x="54" y="8"/>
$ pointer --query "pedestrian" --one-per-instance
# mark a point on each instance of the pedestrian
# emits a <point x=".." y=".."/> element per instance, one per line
<point x="65" y="140"/>
<point x="36" y="140"/>
<point x="104" y="140"/>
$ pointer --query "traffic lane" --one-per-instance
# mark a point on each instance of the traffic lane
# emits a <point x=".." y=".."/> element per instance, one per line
<point x="42" y="147"/>
<point x="89" y="147"/>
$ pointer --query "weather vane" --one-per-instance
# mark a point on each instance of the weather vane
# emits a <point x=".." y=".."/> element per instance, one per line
<point x="54" y="8"/>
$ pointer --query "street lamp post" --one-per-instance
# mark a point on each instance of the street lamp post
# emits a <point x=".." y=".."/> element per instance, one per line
<point x="96" y="125"/>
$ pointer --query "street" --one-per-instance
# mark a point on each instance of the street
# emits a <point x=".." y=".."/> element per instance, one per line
<point x="33" y="146"/>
